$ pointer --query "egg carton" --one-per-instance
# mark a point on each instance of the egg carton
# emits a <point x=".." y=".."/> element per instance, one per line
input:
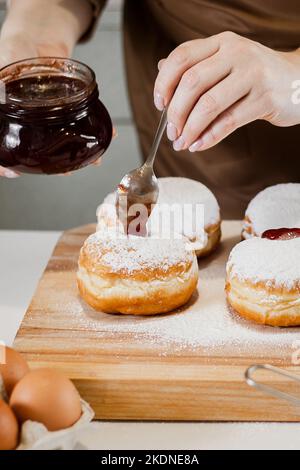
<point x="35" y="436"/>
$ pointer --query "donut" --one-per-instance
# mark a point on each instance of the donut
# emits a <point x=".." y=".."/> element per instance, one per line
<point x="263" y="278"/>
<point x="274" y="207"/>
<point x="184" y="195"/>
<point x="136" y="275"/>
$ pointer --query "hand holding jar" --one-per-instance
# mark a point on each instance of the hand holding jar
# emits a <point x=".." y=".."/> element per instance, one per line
<point x="35" y="28"/>
<point x="51" y="118"/>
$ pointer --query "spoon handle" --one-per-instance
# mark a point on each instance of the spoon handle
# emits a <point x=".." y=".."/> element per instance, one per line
<point x="159" y="133"/>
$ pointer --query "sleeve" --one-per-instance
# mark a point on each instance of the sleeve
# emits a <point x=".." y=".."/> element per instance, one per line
<point x="97" y="6"/>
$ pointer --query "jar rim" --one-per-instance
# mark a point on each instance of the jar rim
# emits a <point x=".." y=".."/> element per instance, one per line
<point x="47" y="66"/>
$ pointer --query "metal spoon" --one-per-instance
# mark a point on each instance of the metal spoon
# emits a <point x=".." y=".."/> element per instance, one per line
<point x="140" y="186"/>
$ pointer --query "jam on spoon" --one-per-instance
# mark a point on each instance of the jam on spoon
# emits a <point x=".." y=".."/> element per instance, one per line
<point x="282" y="233"/>
<point x="139" y="189"/>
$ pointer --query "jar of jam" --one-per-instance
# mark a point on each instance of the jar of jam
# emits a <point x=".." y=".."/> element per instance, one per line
<point x="51" y="118"/>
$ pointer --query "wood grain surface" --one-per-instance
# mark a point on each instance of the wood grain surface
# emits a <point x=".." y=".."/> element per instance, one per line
<point x="127" y="374"/>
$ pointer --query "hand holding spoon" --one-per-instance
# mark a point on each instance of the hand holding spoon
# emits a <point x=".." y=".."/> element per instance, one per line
<point x="140" y="186"/>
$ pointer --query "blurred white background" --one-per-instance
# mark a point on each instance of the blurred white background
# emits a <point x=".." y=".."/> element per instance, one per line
<point x="57" y="202"/>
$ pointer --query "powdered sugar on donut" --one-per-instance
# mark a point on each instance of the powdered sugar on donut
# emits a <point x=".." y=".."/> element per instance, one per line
<point x="174" y="190"/>
<point x="275" y="262"/>
<point x="129" y="254"/>
<point x="184" y="206"/>
<point x="275" y="207"/>
<point x="107" y="209"/>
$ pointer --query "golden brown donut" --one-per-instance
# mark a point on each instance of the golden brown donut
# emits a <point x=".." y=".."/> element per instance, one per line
<point x="136" y="275"/>
<point x="176" y="192"/>
<point x="263" y="281"/>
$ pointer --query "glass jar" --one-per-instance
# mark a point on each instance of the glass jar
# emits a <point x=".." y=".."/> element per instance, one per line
<point x="51" y="118"/>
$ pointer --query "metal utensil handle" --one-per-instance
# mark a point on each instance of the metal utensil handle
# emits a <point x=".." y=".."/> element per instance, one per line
<point x="159" y="133"/>
<point x="271" y="390"/>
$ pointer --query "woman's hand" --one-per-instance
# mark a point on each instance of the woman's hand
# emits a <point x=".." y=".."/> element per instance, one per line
<point x="214" y="86"/>
<point x="18" y="47"/>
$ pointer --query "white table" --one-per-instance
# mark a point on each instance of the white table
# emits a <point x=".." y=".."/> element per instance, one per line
<point x="23" y="256"/>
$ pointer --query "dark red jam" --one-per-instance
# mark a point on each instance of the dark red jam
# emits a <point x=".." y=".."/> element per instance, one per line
<point x="282" y="233"/>
<point x="51" y="118"/>
<point x="136" y="223"/>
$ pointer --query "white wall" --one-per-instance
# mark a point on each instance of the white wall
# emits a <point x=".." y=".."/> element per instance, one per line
<point x="58" y="202"/>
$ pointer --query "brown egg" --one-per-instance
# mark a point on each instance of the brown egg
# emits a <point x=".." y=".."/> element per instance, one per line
<point x="13" y="370"/>
<point x="9" y="429"/>
<point x="46" y="396"/>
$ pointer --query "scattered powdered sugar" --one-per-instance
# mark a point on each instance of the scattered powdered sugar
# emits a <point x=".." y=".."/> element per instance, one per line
<point x="275" y="207"/>
<point x="276" y="262"/>
<point x="205" y="324"/>
<point x="130" y="253"/>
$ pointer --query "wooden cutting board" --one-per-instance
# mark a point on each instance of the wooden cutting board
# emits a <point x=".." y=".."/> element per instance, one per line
<point x="188" y="365"/>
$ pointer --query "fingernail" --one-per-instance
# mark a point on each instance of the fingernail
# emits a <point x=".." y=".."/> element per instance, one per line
<point x="196" y="145"/>
<point x="172" y="132"/>
<point x="159" y="102"/>
<point x="10" y="174"/>
<point x="179" y="144"/>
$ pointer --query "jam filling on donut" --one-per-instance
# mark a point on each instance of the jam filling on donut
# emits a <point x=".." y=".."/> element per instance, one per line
<point x="282" y="233"/>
